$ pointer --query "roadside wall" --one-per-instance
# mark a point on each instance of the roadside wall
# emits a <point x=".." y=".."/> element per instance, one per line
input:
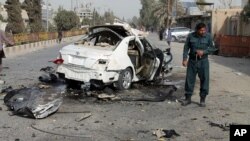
<point x="14" y="51"/>
<point x="234" y="46"/>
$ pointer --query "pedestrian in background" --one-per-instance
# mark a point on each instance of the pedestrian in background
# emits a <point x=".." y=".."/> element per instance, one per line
<point x="3" y="39"/>
<point x="168" y="36"/>
<point x="60" y="35"/>
<point x="161" y="32"/>
<point x="198" y="46"/>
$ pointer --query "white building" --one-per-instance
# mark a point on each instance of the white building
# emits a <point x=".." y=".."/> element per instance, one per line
<point x="84" y="13"/>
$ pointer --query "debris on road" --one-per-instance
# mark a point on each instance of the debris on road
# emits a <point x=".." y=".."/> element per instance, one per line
<point x="147" y="95"/>
<point x="48" y="75"/>
<point x="83" y="117"/>
<point x="238" y="73"/>
<point x="33" y="102"/>
<point x="42" y="86"/>
<point x="162" y="133"/>
<point x="224" y="127"/>
<point x="106" y="96"/>
<point x="59" y="134"/>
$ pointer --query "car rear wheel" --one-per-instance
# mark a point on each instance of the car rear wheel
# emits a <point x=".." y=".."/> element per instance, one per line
<point x="125" y="79"/>
<point x="173" y="39"/>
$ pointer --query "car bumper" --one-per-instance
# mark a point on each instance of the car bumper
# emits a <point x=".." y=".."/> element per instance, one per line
<point x="85" y="75"/>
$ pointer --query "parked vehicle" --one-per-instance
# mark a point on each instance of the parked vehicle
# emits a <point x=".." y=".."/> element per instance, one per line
<point x="112" y="54"/>
<point x="177" y="32"/>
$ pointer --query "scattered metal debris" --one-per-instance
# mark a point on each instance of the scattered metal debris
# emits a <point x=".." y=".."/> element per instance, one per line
<point x="106" y="96"/>
<point x="33" y="102"/>
<point x="58" y="134"/>
<point x="238" y="73"/>
<point x="193" y="118"/>
<point x="48" y="75"/>
<point x="162" y="133"/>
<point x="83" y="117"/>
<point x="224" y="127"/>
<point x="42" y="86"/>
<point x="33" y="135"/>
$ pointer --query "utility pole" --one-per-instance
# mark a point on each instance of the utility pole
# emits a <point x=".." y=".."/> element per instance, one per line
<point x="71" y="5"/>
<point x="94" y="17"/>
<point x="47" y="16"/>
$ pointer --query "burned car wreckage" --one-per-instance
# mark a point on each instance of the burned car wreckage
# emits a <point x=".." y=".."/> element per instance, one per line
<point x="112" y="54"/>
<point x="108" y="55"/>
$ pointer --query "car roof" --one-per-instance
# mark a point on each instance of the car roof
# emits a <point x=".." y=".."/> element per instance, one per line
<point x="120" y="29"/>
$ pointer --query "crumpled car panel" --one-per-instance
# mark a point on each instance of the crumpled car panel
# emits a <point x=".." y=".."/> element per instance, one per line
<point x="33" y="102"/>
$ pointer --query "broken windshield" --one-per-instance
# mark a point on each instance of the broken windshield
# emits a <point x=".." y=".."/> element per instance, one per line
<point x="103" y="39"/>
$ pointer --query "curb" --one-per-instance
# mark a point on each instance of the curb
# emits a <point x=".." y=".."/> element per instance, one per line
<point x="28" y="48"/>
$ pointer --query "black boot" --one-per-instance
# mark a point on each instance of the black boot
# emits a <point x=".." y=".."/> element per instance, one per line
<point x="187" y="100"/>
<point x="202" y="101"/>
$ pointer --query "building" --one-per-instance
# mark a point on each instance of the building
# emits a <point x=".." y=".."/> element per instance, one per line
<point x="84" y="12"/>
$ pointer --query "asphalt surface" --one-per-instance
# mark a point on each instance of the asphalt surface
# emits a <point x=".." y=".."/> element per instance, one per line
<point x="132" y="120"/>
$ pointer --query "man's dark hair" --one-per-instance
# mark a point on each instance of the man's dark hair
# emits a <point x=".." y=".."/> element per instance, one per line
<point x="199" y="26"/>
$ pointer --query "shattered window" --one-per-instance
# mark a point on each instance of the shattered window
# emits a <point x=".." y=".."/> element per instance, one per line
<point x="146" y="44"/>
<point x="101" y="39"/>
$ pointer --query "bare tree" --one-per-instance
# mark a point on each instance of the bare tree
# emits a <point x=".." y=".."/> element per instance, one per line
<point x="226" y="3"/>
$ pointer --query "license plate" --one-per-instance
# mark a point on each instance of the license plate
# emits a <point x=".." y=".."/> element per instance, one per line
<point x="76" y="60"/>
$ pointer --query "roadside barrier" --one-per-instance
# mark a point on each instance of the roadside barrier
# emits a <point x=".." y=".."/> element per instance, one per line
<point x="234" y="46"/>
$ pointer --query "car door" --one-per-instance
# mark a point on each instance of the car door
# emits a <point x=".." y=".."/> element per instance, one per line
<point x="150" y="62"/>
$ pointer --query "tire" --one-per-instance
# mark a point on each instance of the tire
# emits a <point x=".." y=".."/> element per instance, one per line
<point x="173" y="39"/>
<point x="125" y="79"/>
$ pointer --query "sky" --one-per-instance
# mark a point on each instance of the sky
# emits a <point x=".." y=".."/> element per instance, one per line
<point x="121" y="8"/>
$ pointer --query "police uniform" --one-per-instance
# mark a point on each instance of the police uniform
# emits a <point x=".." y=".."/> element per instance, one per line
<point x="197" y="65"/>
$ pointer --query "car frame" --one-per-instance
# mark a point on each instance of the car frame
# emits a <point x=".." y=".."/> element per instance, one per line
<point x="122" y="58"/>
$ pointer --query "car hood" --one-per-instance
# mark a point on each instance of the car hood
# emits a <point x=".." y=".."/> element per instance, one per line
<point x="83" y="56"/>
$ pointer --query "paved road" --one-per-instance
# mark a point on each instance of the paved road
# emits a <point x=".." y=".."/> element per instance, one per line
<point x="120" y="121"/>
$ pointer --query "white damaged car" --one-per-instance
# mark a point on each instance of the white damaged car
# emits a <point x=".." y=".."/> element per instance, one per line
<point x="112" y="54"/>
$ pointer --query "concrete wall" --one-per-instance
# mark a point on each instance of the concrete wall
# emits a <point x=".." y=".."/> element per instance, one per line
<point x="28" y="48"/>
<point x="221" y="21"/>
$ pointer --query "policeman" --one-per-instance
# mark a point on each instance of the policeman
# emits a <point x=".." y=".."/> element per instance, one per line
<point x="198" y="45"/>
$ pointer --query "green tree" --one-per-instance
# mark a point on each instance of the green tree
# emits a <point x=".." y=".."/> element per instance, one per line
<point x="1" y="18"/>
<point x="97" y="18"/>
<point x="163" y="10"/>
<point x="134" y="22"/>
<point x="87" y="21"/>
<point x="109" y="17"/>
<point x="66" y="20"/>
<point x="15" y="21"/>
<point x="245" y="14"/>
<point x="147" y="19"/>
<point x="34" y="11"/>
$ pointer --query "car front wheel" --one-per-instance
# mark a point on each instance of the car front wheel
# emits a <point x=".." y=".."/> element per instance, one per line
<point x="125" y="79"/>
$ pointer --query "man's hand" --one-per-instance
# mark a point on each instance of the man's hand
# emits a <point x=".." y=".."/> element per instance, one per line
<point x="200" y="53"/>
<point x="185" y="62"/>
